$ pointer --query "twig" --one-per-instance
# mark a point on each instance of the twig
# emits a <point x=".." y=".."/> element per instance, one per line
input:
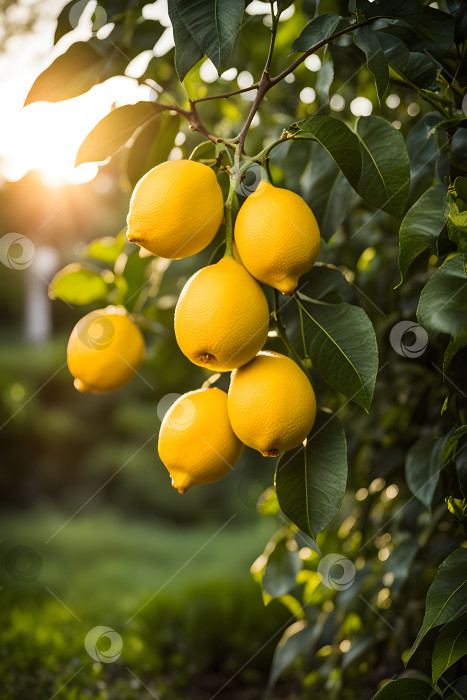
<point x="225" y="95"/>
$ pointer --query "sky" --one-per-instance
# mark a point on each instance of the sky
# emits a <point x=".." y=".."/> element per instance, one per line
<point x="46" y="136"/>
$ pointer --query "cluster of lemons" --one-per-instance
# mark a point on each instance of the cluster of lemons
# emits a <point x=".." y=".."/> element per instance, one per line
<point x="221" y="321"/>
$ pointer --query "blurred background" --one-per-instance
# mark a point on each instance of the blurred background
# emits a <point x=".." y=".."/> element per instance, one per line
<point x="92" y="534"/>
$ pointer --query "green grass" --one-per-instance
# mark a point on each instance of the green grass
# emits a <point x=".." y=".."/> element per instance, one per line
<point x="202" y="617"/>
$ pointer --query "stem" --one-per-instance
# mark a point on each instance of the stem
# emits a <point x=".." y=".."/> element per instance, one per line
<point x="225" y="95"/>
<point x="234" y="182"/>
<point x="264" y="84"/>
<point x="282" y="332"/>
<point x="302" y="330"/>
<point x="328" y="40"/>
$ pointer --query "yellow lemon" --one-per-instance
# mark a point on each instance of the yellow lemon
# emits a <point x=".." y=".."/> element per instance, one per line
<point x="271" y="404"/>
<point x="196" y="442"/>
<point x="176" y="209"/>
<point x="105" y="350"/>
<point x="277" y="237"/>
<point x="222" y="316"/>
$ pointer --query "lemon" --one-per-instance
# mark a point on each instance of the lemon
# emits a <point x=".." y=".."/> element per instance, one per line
<point x="222" y="316"/>
<point x="271" y="404"/>
<point x="176" y="209"/>
<point x="196" y="441"/>
<point x="105" y="350"/>
<point x="277" y="237"/>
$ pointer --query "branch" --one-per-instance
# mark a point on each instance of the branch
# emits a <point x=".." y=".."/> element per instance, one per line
<point x="193" y="117"/>
<point x="328" y="40"/>
<point x="225" y="95"/>
<point x="263" y="85"/>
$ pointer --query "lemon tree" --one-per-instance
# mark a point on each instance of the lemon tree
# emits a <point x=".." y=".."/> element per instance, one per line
<point x="275" y="181"/>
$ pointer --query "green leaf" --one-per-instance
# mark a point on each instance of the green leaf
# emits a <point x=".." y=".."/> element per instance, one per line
<point x="204" y="152"/>
<point x="213" y="26"/>
<point x="443" y="301"/>
<point x="187" y="51"/>
<point x="406" y="689"/>
<point x="455" y="345"/>
<point x="367" y="40"/>
<point x="152" y="145"/>
<point x="338" y="140"/>
<point x="446" y="595"/>
<point x="290" y="647"/>
<point x="76" y="285"/>
<point x="460" y="460"/>
<point x="458" y="148"/>
<point x="421" y="226"/>
<point x="329" y="194"/>
<point x="385" y="176"/>
<point x="400" y="561"/>
<point x="408" y="10"/>
<point x="114" y="130"/>
<point x="459" y="686"/>
<point x="316" y="31"/>
<point x="323" y="280"/>
<point x="417" y="67"/>
<point x="310" y="482"/>
<point x="342" y="347"/>
<point x="71" y="74"/>
<point x="325" y="77"/>
<point x="73" y="9"/>
<point x="422" y="468"/>
<point x="280" y="575"/>
<point x="106" y="249"/>
<point x="433" y="34"/>
<point x="450" y="646"/>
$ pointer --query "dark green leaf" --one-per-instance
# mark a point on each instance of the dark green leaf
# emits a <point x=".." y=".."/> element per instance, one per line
<point x="450" y="646"/>
<point x="385" y="176"/>
<point x="187" y="51"/>
<point x="459" y="688"/>
<point x="338" y="140"/>
<point x="323" y="280"/>
<point x="461" y="467"/>
<point x="421" y="226"/>
<point x="419" y="68"/>
<point x="70" y="13"/>
<point x="152" y="145"/>
<point x="406" y="689"/>
<point x="423" y="151"/>
<point x="458" y="150"/>
<point x="457" y="9"/>
<point x="280" y="575"/>
<point x="443" y="301"/>
<point x="433" y="35"/>
<point x="446" y="595"/>
<point x="408" y="10"/>
<point x="212" y="24"/>
<point x="146" y="34"/>
<point x="342" y="347"/>
<point x="316" y="31"/>
<point x="422" y="468"/>
<point x="114" y="8"/>
<point x="76" y="285"/>
<point x="367" y="40"/>
<point x="288" y="650"/>
<point x="455" y="345"/>
<point x="71" y="74"/>
<point x="327" y="191"/>
<point x="400" y="562"/>
<point x="114" y="130"/>
<point x="324" y="78"/>
<point x="310" y="482"/>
